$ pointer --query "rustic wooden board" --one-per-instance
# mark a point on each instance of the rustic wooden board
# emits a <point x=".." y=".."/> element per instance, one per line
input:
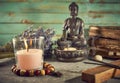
<point x="105" y="31"/>
<point x="52" y="13"/>
<point x="101" y="73"/>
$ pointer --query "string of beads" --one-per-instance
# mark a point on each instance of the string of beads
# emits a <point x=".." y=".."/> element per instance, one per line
<point x="48" y="69"/>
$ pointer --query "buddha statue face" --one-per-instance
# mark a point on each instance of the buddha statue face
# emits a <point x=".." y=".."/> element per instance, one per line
<point x="73" y="7"/>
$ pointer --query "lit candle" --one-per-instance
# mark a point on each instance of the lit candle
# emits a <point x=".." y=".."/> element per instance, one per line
<point x="31" y="59"/>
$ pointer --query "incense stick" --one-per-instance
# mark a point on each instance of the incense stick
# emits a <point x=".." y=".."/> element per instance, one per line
<point x="106" y="64"/>
<point x="94" y="63"/>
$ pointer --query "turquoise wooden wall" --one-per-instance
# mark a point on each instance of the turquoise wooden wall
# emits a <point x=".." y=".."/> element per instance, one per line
<point x="18" y="15"/>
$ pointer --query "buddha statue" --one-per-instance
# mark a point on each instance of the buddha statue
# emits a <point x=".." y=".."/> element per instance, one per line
<point x="73" y="34"/>
<point x="73" y="26"/>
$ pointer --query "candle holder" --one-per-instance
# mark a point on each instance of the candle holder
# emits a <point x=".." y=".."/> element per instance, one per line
<point x="29" y="53"/>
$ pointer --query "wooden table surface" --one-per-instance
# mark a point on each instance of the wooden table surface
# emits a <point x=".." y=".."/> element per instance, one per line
<point x="71" y="73"/>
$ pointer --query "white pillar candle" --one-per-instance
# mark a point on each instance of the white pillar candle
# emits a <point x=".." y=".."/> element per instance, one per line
<point x="31" y="59"/>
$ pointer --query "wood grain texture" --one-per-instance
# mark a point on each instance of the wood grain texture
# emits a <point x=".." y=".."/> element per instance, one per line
<point x="17" y="15"/>
<point x="101" y="74"/>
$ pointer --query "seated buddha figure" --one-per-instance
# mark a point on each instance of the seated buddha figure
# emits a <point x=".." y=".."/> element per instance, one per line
<point x="73" y="26"/>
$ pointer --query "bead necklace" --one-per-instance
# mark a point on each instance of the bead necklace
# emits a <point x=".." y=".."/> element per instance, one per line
<point x="48" y="69"/>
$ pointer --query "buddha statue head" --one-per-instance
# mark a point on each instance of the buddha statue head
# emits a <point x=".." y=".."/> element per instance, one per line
<point x="73" y="7"/>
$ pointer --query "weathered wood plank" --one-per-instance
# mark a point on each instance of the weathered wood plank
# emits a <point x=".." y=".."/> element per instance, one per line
<point x="18" y="28"/>
<point x="57" y="7"/>
<point x="78" y="1"/>
<point x="103" y="7"/>
<point x="36" y="7"/>
<point x="99" y="19"/>
<point x="52" y="13"/>
<point x="105" y="1"/>
<point x="108" y="19"/>
<point x="8" y="31"/>
<point x="36" y="17"/>
<point x="12" y="28"/>
<point x="5" y="39"/>
<point x="101" y="73"/>
<point x="6" y="1"/>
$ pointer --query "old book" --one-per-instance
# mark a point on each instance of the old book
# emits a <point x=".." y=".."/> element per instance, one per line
<point x="101" y="74"/>
<point x="105" y="31"/>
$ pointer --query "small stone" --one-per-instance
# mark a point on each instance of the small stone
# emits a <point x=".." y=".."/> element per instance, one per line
<point x="98" y="57"/>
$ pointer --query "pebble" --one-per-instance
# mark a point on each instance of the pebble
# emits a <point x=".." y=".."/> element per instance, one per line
<point x="98" y="57"/>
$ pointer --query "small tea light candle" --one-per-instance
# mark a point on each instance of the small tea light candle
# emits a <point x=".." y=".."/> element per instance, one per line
<point x="70" y="49"/>
<point x="31" y="59"/>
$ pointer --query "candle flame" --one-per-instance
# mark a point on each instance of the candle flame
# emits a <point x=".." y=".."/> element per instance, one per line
<point x="30" y="42"/>
<point x="26" y="45"/>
